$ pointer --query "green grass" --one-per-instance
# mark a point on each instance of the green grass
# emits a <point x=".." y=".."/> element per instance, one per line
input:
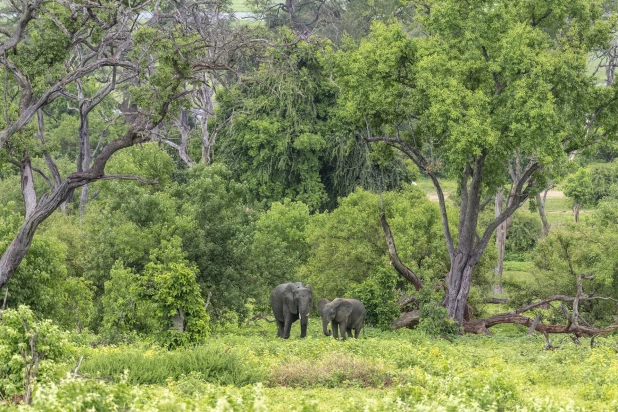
<point x="156" y="367"/>
<point x="382" y="371"/>
<point x="518" y="271"/>
<point x="240" y="5"/>
<point x="426" y="185"/>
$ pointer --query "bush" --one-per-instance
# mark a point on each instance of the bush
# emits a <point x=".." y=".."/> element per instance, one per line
<point x="522" y="235"/>
<point x="434" y="317"/>
<point x="17" y="327"/>
<point x="349" y="248"/>
<point x="378" y="295"/>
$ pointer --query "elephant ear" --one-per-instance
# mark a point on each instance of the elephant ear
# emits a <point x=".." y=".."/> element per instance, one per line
<point x="344" y="309"/>
<point x="288" y="302"/>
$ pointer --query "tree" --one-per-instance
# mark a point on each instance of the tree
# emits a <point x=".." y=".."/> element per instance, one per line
<point x="467" y="94"/>
<point x="224" y="43"/>
<point x="579" y="187"/>
<point x="349" y="256"/>
<point x="286" y="138"/>
<point x="53" y="52"/>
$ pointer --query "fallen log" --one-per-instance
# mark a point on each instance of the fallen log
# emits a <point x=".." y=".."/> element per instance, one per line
<point x="481" y="326"/>
<point x="407" y="320"/>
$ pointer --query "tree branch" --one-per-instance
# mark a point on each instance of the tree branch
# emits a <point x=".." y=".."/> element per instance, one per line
<point x="129" y="177"/>
<point x="402" y="269"/>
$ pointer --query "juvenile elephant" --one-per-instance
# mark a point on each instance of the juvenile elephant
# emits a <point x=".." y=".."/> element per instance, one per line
<point x="290" y="302"/>
<point x="348" y="314"/>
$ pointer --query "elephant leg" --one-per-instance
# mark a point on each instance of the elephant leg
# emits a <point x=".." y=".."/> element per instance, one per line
<point x="279" y="329"/>
<point x="287" y="326"/>
<point x="344" y="329"/>
<point x="335" y="332"/>
<point x="350" y="332"/>
<point x="357" y="332"/>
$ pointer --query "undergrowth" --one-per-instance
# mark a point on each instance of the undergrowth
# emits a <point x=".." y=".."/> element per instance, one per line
<point x="156" y="367"/>
<point x="252" y="370"/>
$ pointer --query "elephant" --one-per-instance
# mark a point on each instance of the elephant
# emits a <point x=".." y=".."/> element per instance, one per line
<point x="348" y="314"/>
<point x="290" y="302"/>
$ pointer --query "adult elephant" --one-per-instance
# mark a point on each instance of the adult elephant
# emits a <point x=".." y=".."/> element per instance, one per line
<point x="347" y="314"/>
<point x="290" y="302"/>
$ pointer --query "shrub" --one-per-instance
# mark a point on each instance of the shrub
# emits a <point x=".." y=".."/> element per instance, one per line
<point x="434" y="317"/>
<point x="378" y="296"/>
<point x="17" y="327"/>
<point x="522" y="235"/>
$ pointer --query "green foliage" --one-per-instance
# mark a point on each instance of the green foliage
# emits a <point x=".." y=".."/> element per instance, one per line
<point x="287" y="139"/>
<point x="279" y="246"/>
<point x="42" y="281"/>
<point x="522" y="234"/>
<point x="348" y="245"/>
<point x="607" y="213"/>
<point x="217" y="236"/>
<point x="18" y="327"/>
<point x="434" y="317"/>
<point x="156" y="367"/>
<point x="400" y="370"/>
<point x="123" y="309"/>
<point x="579" y="187"/>
<point x="175" y="294"/>
<point x="567" y="252"/>
<point x="378" y="295"/>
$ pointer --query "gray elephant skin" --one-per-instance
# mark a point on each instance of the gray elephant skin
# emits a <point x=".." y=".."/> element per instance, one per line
<point x="290" y="302"/>
<point x="347" y="314"/>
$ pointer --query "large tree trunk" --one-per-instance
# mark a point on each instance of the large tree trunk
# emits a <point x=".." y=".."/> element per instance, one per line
<point x="471" y="245"/>
<point x="14" y="254"/>
<point x="459" y="282"/>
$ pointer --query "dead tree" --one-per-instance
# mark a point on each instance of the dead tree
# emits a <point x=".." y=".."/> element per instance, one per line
<point x="222" y="43"/>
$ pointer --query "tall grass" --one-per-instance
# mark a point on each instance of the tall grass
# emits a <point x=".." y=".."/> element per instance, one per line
<point x="336" y="370"/>
<point x="152" y="367"/>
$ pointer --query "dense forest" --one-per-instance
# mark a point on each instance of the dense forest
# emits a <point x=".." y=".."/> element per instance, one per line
<point x="165" y="165"/>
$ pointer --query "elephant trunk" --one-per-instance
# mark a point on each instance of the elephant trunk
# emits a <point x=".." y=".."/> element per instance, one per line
<point x="325" y="327"/>
<point x="304" y="321"/>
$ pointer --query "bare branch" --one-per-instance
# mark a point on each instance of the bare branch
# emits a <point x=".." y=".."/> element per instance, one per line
<point x="28" y="13"/>
<point x="128" y="177"/>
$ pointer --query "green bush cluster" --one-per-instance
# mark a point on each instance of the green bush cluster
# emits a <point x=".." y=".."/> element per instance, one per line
<point x="23" y="340"/>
